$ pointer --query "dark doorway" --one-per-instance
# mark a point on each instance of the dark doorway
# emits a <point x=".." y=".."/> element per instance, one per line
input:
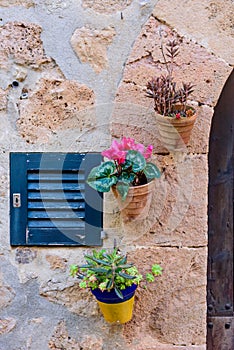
<point x="220" y="319"/>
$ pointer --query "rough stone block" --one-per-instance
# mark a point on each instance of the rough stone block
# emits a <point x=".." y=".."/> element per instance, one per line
<point x="7" y="325"/>
<point x="178" y="212"/>
<point x="61" y="339"/>
<point x="55" y="105"/>
<point x="90" y="45"/>
<point x="6" y="295"/>
<point x="56" y="262"/>
<point x="173" y="306"/>
<point x="75" y="299"/>
<point x="25" y="255"/>
<point x="9" y="3"/>
<point x="22" y="44"/>
<point x="106" y="6"/>
<point x="207" y="22"/>
<point x="3" y="99"/>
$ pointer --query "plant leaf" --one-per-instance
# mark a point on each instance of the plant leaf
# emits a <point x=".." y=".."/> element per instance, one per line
<point x="126" y="165"/>
<point x="109" y="284"/>
<point x="123" y="260"/>
<point x="73" y="270"/>
<point x="126" y="266"/>
<point x="99" y="261"/>
<point x="126" y="177"/>
<point x="149" y="277"/>
<point x="98" y="270"/>
<point x="157" y="269"/>
<point x="87" y="266"/>
<point x="125" y="275"/>
<point x="102" y="177"/>
<point x="122" y="188"/>
<point x="137" y="160"/>
<point x="151" y="171"/>
<point x="118" y="292"/>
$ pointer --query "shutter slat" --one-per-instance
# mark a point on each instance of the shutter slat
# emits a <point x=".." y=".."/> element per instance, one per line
<point x="55" y="223"/>
<point x="58" y="205"/>
<point x="53" y="236"/>
<point x="55" y="176"/>
<point x="54" y="186"/>
<point x="55" y="214"/>
<point x="59" y="196"/>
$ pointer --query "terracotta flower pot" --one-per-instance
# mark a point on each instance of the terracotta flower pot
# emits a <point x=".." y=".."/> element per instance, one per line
<point x="112" y="307"/>
<point x="137" y="203"/>
<point x="175" y="133"/>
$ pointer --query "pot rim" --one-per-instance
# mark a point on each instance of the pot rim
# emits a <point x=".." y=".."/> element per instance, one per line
<point x="145" y="185"/>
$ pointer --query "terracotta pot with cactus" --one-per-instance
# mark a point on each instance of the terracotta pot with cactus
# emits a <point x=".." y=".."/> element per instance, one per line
<point x="174" y="116"/>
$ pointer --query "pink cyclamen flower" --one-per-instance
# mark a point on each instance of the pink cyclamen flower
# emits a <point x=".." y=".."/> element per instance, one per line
<point x="118" y="151"/>
<point x="129" y="144"/>
<point x="148" y="152"/>
<point x="177" y="115"/>
<point x="115" y="152"/>
<point x="139" y="147"/>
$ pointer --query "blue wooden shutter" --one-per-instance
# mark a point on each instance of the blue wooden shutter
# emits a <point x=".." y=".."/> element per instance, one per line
<point x="50" y="202"/>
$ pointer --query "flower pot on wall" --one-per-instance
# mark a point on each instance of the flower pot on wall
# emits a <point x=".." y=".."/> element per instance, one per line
<point x="137" y="203"/>
<point x="113" y="281"/>
<point x="175" y="133"/>
<point x="113" y="308"/>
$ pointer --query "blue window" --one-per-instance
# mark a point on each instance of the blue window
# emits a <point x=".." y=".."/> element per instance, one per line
<point x="50" y="202"/>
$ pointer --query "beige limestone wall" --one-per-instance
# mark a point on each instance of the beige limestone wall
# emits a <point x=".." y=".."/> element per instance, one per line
<point x="73" y="76"/>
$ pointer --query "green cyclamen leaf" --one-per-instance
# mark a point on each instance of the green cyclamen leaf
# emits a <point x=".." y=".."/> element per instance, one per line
<point x="103" y="177"/>
<point x="151" y="171"/>
<point x="103" y="170"/>
<point x="137" y="160"/>
<point x="126" y="177"/>
<point x="122" y="188"/>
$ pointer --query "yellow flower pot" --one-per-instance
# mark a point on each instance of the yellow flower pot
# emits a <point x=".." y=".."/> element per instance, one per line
<point x="121" y="312"/>
<point x="113" y="308"/>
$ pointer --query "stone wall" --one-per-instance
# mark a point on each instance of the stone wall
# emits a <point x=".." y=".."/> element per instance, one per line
<point x="73" y="76"/>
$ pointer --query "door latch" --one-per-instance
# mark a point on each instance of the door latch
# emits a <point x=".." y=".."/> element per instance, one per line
<point x="16" y="200"/>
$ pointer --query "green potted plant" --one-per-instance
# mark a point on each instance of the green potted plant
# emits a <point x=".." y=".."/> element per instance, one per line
<point x="129" y="173"/>
<point x="174" y="116"/>
<point x="113" y="281"/>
